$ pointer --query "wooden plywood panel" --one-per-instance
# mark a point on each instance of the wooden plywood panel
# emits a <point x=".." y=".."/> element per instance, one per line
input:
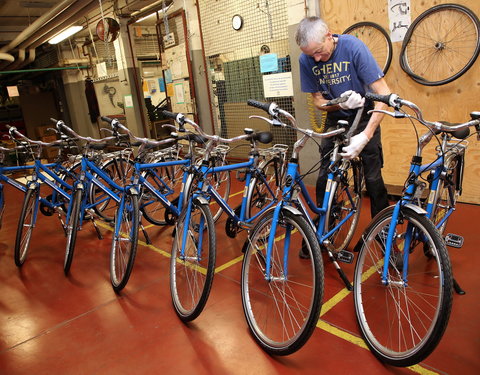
<point x="451" y="102"/>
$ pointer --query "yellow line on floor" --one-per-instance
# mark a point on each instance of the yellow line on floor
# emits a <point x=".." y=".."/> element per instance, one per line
<point x="229" y="264"/>
<point x="359" y="342"/>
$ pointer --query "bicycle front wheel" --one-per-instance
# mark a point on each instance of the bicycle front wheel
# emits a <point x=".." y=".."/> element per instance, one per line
<point x="402" y="321"/>
<point x="345" y="199"/>
<point x="26" y="223"/>
<point x="72" y="229"/>
<point x="282" y="309"/>
<point x="441" y="44"/>
<point x="124" y="242"/>
<point x="192" y="264"/>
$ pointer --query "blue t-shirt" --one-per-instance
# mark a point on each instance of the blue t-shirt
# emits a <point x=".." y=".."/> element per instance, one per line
<point x="351" y="67"/>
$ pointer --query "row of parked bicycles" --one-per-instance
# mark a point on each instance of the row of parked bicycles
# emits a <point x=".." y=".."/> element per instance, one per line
<point x="403" y="281"/>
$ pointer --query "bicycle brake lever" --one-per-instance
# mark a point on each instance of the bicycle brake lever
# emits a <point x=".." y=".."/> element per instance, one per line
<point x="274" y="122"/>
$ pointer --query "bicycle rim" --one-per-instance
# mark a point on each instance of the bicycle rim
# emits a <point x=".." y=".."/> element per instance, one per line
<point x="282" y="313"/>
<point x="191" y="274"/>
<point x="402" y="324"/>
<point x="377" y="41"/>
<point x="441" y="44"/>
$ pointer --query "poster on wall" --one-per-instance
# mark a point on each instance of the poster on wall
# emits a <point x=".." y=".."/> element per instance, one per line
<point x="399" y="19"/>
<point x="277" y="85"/>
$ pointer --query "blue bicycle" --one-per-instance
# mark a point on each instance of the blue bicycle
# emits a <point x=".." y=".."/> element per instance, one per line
<point x="58" y="176"/>
<point x="403" y="282"/>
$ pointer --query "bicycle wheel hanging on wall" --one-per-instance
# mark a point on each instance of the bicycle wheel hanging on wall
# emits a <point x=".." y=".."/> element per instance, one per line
<point x="441" y="44"/>
<point x="376" y="39"/>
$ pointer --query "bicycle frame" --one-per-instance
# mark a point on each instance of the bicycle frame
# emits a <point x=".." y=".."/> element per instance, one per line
<point x="206" y="191"/>
<point x="140" y="180"/>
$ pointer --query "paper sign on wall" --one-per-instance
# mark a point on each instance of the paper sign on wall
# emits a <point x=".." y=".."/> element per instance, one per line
<point x="277" y="85"/>
<point x="268" y="63"/>
<point x="128" y="101"/>
<point x="399" y="19"/>
<point x="179" y="93"/>
<point x="170" y="90"/>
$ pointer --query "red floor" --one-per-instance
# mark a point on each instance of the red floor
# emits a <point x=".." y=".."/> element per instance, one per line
<point x="52" y="324"/>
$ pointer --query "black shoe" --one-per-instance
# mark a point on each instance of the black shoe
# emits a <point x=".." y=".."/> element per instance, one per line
<point x="303" y="253"/>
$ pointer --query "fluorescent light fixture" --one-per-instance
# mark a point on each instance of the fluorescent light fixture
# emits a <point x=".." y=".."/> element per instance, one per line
<point x="144" y="18"/>
<point x="65" y="34"/>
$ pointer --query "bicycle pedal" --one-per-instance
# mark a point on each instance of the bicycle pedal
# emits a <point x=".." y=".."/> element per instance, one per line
<point x="345" y="256"/>
<point x="454" y="240"/>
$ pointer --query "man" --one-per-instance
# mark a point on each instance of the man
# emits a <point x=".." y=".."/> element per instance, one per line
<point x="334" y="65"/>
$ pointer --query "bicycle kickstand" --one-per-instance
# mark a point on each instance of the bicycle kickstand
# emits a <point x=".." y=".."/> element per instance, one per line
<point x="328" y="246"/>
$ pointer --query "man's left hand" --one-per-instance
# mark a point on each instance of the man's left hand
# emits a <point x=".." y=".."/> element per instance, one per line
<point x="357" y="143"/>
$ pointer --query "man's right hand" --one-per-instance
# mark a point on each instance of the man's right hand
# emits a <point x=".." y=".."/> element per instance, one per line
<point x="355" y="100"/>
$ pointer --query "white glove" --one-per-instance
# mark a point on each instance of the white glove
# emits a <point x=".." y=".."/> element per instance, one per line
<point x="354" y="100"/>
<point x="357" y="143"/>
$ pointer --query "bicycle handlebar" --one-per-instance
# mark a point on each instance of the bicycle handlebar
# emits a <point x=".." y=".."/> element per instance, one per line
<point x="181" y="120"/>
<point x="393" y="100"/>
<point x="146" y="142"/>
<point x="274" y="110"/>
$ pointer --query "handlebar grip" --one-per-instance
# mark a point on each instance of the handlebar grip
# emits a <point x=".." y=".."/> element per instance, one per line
<point x="169" y="114"/>
<point x="260" y="105"/>
<point x="378" y="98"/>
<point x="263" y="137"/>
<point x="106" y="119"/>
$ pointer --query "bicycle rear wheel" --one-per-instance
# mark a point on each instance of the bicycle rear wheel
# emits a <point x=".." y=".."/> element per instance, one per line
<point x="124" y="243"/>
<point x="72" y="229"/>
<point x="282" y="312"/>
<point x="402" y="323"/>
<point x="165" y="179"/>
<point x="120" y="170"/>
<point x="447" y="193"/>
<point x="377" y="40"/>
<point x="271" y="174"/>
<point x="193" y="261"/>
<point x="26" y="223"/>
<point x="345" y="198"/>
<point x="441" y="44"/>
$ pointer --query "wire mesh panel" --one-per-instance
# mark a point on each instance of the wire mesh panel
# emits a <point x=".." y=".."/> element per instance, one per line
<point x="241" y="53"/>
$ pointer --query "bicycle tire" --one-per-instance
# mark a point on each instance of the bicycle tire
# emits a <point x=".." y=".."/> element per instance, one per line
<point x="347" y="186"/>
<point x="26" y="223"/>
<point x="295" y="299"/>
<point x="191" y="276"/>
<point x="376" y="39"/>
<point x="442" y="32"/>
<point x="120" y="170"/>
<point x="171" y="176"/>
<point x="258" y="195"/>
<point x="72" y="225"/>
<point x="446" y="195"/>
<point x="381" y="310"/>
<point x="124" y="242"/>
<point x="221" y="182"/>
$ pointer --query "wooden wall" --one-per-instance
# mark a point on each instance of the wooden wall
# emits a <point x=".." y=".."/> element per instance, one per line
<point x="451" y="102"/>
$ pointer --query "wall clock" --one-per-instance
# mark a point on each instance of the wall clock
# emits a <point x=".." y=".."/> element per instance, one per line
<point x="237" y="22"/>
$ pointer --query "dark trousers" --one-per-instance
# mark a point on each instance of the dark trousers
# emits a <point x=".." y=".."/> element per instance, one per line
<point x="372" y="161"/>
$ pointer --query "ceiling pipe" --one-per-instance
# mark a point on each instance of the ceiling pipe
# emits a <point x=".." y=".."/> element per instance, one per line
<point x="7" y="57"/>
<point x="30" y="30"/>
<point x="67" y="18"/>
